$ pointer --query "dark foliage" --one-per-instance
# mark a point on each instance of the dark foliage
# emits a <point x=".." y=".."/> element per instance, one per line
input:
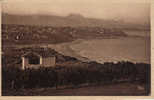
<point x="13" y="77"/>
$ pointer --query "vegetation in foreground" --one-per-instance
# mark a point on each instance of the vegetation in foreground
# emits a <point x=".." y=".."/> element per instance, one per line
<point x="70" y="72"/>
<point x="108" y="73"/>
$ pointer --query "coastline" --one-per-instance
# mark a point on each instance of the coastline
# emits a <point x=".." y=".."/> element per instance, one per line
<point x="127" y="55"/>
<point x="68" y="48"/>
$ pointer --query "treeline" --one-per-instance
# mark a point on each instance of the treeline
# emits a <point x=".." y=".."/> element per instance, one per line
<point x="94" y="73"/>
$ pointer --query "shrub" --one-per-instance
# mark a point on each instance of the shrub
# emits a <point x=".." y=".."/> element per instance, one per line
<point x="13" y="77"/>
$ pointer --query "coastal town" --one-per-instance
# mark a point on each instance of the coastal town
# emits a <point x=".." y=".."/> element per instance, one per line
<point x="75" y="48"/>
<point x="23" y="34"/>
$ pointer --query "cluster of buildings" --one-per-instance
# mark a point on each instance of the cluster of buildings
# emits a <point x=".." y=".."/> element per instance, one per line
<point x="23" y="32"/>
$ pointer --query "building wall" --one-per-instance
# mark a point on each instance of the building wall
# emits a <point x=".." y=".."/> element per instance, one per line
<point x="26" y="64"/>
<point x="48" y="61"/>
<point x="45" y="62"/>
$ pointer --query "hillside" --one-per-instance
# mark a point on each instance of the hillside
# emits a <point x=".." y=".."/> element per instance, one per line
<point x="26" y="34"/>
<point x="12" y="56"/>
<point x="53" y="20"/>
<point x="73" y="20"/>
<point x="71" y="73"/>
<point x="31" y="29"/>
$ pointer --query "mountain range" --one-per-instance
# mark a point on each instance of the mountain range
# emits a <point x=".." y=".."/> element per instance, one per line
<point x="73" y="20"/>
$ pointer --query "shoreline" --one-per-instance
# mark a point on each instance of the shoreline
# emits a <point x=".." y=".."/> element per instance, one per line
<point x="68" y="50"/>
<point x="97" y="60"/>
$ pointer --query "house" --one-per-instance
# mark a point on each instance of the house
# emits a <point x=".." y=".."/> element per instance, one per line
<point x="36" y="60"/>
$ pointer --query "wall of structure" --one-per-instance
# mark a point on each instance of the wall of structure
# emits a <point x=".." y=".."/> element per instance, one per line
<point x="45" y="62"/>
<point x="48" y="61"/>
<point x="24" y="62"/>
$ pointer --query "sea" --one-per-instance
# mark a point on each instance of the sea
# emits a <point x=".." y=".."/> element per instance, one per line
<point x="135" y="48"/>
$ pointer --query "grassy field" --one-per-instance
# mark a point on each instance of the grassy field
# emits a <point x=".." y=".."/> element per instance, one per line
<point x="119" y="89"/>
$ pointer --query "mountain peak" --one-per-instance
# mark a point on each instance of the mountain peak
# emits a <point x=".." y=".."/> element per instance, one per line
<point x="74" y="15"/>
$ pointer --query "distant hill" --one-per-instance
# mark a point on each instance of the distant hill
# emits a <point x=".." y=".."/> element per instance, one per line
<point x="28" y="34"/>
<point x="73" y="20"/>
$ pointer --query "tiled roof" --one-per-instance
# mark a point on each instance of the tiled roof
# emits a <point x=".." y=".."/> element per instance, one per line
<point x="39" y="52"/>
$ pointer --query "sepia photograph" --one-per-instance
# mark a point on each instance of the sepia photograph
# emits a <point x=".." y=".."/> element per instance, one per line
<point x="75" y="48"/>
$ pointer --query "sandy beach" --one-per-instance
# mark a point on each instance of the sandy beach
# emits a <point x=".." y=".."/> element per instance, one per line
<point x="132" y="48"/>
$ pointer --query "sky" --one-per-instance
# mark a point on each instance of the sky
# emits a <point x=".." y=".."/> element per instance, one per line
<point x="126" y="10"/>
